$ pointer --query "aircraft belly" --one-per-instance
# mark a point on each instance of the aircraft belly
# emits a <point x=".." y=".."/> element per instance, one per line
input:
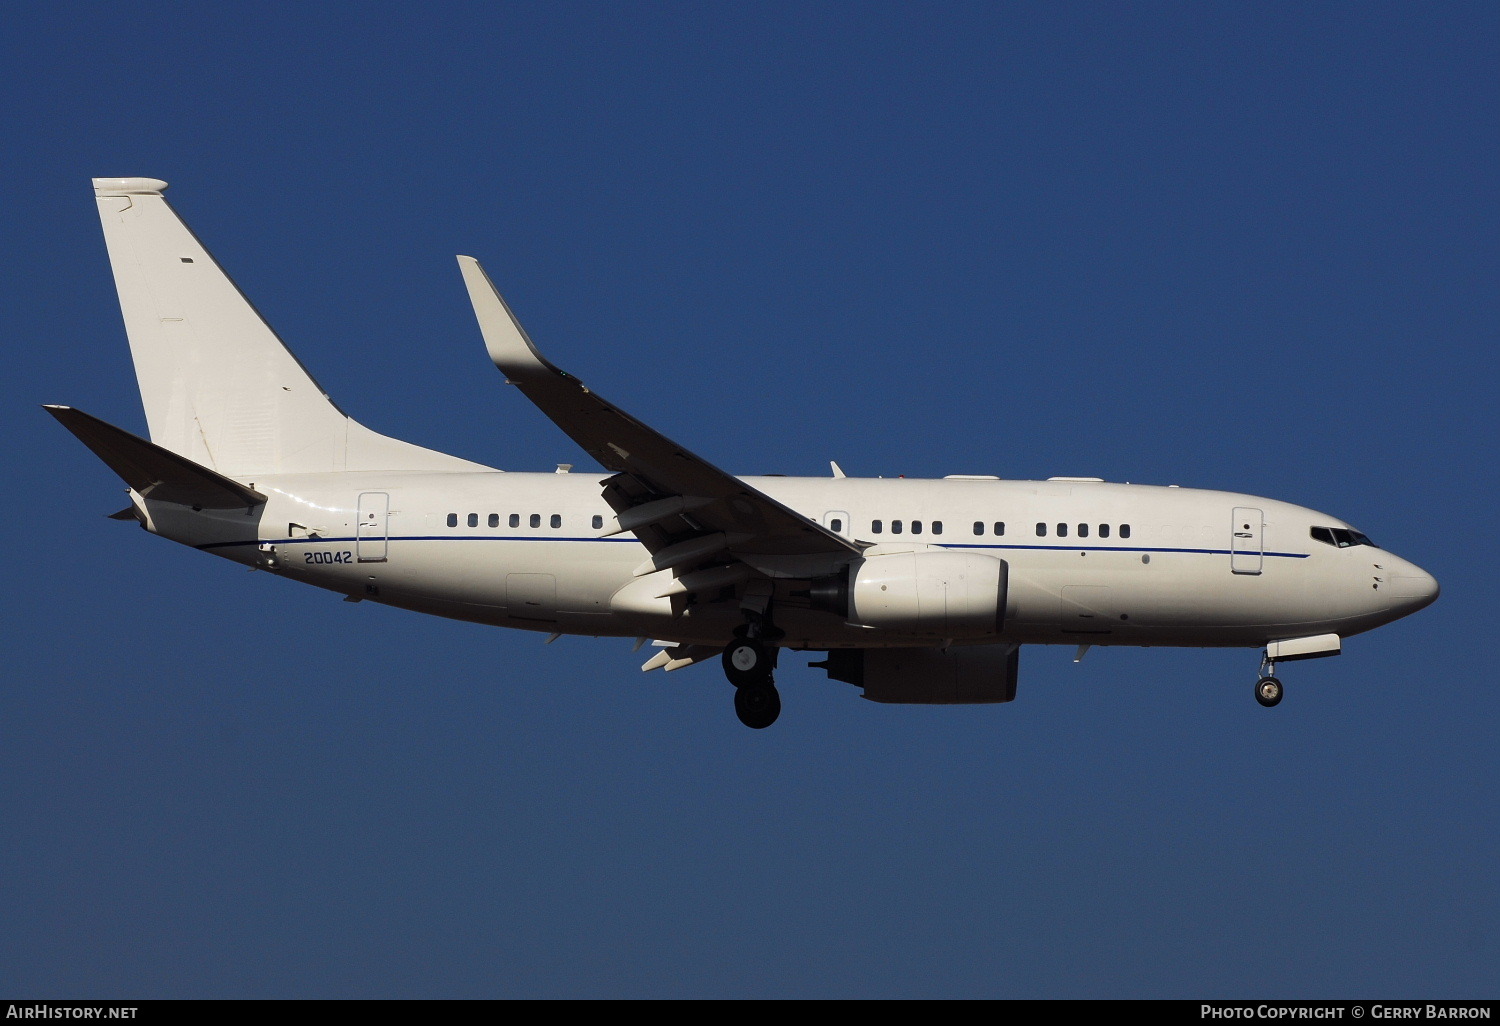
<point x="534" y="577"/>
<point x="1175" y="598"/>
<point x="449" y="571"/>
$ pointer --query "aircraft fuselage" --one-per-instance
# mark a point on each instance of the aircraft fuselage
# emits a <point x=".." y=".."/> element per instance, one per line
<point x="1090" y="562"/>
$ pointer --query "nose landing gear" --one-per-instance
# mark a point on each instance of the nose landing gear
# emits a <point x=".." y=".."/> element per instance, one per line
<point x="1268" y="688"/>
<point x="1268" y="691"/>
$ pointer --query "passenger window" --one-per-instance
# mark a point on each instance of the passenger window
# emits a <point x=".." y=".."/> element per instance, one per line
<point x="1062" y="530"/>
<point x="515" y="520"/>
<point x="1000" y="528"/>
<point x="536" y="520"/>
<point x="875" y="527"/>
<point x="978" y="528"/>
<point x="598" y="522"/>
<point x="1104" y="530"/>
<point x="473" y="519"/>
<point x="556" y="520"/>
<point x="916" y="527"/>
<point x="937" y="527"/>
<point x="1124" y="530"/>
<point x="1083" y="530"/>
<point x="895" y="527"/>
<point x="1041" y="530"/>
<point x="494" y="519"/>
<point x="452" y="519"/>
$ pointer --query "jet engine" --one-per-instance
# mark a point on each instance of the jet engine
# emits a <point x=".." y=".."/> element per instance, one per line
<point x="937" y="593"/>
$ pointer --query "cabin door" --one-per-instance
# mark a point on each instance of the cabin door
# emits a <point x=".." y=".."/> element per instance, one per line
<point x="1246" y="551"/>
<point x="370" y="532"/>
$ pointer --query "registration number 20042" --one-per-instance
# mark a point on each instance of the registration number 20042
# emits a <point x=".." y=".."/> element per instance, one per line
<point x="329" y="557"/>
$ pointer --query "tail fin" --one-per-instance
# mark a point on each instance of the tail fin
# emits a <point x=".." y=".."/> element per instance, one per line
<point x="219" y="387"/>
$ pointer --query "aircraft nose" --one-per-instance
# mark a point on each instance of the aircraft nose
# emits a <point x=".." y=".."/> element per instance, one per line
<point x="1412" y="587"/>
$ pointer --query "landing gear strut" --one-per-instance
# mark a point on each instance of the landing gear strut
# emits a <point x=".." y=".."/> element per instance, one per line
<point x="1268" y="688"/>
<point x="748" y="663"/>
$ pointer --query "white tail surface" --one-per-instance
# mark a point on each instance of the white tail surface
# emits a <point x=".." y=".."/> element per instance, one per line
<point x="218" y="385"/>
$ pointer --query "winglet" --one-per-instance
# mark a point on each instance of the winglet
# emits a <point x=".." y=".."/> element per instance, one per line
<point x="734" y="513"/>
<point x="508" y="344"/>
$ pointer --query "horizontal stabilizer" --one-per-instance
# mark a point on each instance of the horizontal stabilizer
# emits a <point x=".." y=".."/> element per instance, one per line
<point x="154" y="472"/>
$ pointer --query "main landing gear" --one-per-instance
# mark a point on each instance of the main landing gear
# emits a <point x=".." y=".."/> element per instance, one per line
<point x="1268" y="688"/>
<point x="757" y="705"/>
<point x="748" y="663"/>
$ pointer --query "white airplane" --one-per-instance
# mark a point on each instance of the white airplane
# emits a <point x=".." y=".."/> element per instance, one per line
<point x="919" y="591"/>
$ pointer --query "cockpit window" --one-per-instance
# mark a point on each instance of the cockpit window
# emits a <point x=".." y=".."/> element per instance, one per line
<point x="1340" y="537"/>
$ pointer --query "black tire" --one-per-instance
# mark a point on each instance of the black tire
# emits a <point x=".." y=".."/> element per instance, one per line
<point x="746" y="662"/>
<point x="757" y="705"/>
<point x="1268" y="691"/>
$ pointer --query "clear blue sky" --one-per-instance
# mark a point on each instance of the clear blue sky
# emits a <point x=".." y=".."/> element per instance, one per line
<point x="1224" y="245"/>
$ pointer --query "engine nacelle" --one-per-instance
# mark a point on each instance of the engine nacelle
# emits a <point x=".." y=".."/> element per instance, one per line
<point x="937" y="593"/>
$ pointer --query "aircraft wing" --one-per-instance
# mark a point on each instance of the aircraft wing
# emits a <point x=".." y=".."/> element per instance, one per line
<point x="686" y="511"/>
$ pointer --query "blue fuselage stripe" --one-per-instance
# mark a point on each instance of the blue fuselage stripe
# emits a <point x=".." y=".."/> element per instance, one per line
<point x="536" y="538"/>
<point x="1122" y="548"/>
<point x="411" y="537"/>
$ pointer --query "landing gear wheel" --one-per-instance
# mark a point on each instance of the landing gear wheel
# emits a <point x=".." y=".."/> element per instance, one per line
<point x="746" y="662"/>
<point x="1268" y="691"/>
<point x="757" y="705"/>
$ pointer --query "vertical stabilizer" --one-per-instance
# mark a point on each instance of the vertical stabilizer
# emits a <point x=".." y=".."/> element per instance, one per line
<point x="218" y="385"/>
